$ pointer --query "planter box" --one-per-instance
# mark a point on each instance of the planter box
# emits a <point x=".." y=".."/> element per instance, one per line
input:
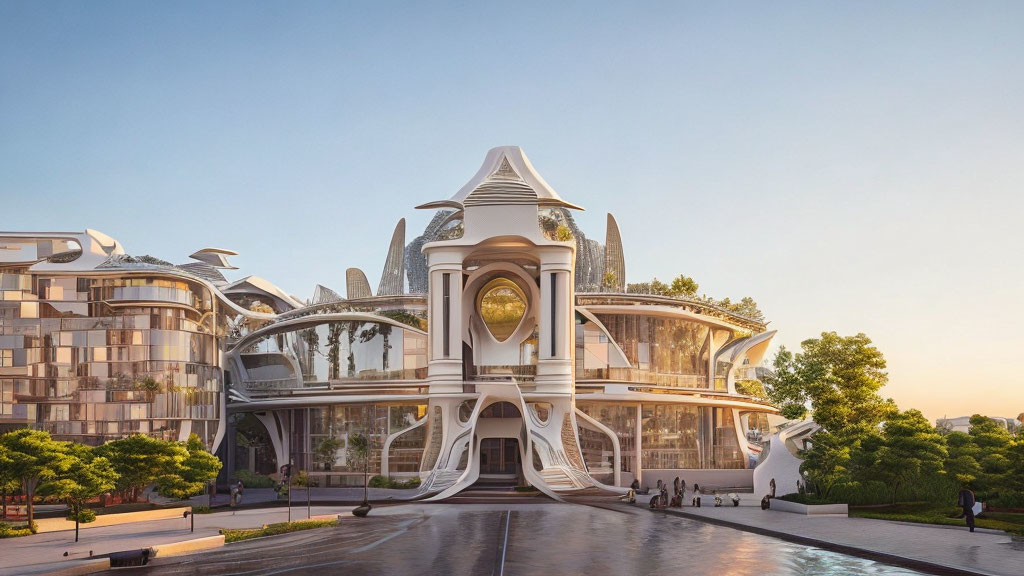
<point x="810" y="509"/>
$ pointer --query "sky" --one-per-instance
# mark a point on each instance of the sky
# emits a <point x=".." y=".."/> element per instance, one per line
<point x="853" y="167"/>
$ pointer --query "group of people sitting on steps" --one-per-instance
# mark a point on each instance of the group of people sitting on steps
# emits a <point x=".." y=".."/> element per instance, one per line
<point x="661" y="499"/>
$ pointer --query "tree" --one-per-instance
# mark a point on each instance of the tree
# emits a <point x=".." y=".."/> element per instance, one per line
<point x="8" y="482"/>
<point x="192" y="474"/>
<point x="326" y="452"/>
<point x="87" y="477"/>
<point x="907" y="450"/>
<point x="839" y="377"/>
<point x="785" y="388"/>
<point x="34" y="458"/>
<point x="609" y="280"/>
<point x="746" y="307"/>
<point x="982" y="459"/>
<point x="141" y="460"/>
<point x="961" y="462"/>
<point x="658" y="287"/>
<point x="683" y="285"/>
<point x="359" y="453"/>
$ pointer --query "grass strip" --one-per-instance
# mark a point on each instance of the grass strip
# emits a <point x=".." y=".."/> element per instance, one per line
<point x="924" y="513"/>
<point x="233" y="535"/>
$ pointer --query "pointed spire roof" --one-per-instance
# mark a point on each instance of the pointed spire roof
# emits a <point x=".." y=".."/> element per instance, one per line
<point x="506" y="177"/>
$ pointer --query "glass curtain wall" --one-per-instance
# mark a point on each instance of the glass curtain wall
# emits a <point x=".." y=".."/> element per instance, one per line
<point x="673" y="436"/>
<point x="94" y="359"/>
<point x="661" y="351"/>
<point x="621" y="419"/>
<point x="375" y="421"/>
<point x="337" y="351"/>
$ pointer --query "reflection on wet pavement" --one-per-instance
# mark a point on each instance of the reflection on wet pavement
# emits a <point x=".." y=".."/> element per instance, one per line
<point x="542" y="539"/>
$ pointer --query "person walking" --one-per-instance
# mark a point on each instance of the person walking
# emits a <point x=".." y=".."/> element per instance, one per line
<point x="675" y="486"/>
<point x="771" y="488"/>
<point x="965" y="500"/>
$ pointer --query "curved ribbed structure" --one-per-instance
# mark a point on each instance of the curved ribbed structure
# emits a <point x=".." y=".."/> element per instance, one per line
<point x="416" y="262"/>
<point x="391" y="279"/>
<point x="356" y="285"/>
<point x="614" y="258"/>
<point x="324" y="295"/>
<point x="503" y="186"/>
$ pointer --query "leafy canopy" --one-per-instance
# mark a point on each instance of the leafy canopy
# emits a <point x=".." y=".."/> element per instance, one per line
<point x="141" y="461"/>
<point x="88" y="476"/>
<point x="905" y="451"/>
<point x="191" y="475"/>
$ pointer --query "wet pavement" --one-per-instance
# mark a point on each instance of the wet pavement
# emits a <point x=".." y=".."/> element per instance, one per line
<point x="518" y="539"/>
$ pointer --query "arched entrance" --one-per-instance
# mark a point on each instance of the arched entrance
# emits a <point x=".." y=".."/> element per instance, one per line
<point x="498" y="430"/>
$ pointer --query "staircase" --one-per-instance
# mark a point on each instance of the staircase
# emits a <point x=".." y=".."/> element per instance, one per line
<point x="565" y="478"/>
<point x="440" y="480"/>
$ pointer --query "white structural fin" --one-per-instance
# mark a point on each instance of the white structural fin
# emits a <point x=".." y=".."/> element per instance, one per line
<point x="393" y="276"/>
<point x="216" y="257"/>
<point x="505" y="177"/>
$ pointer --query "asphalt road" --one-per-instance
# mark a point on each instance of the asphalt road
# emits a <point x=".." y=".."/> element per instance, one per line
<point x="513" y="540"/>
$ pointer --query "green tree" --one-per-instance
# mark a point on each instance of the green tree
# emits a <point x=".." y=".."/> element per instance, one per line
<point x="140" y="461"/>
<point x="1016" y="455"/>
<point x="746" y="307"/>
<point x="962" y="459"/>
<point x="192" y="474"/>
<point x="683" y="285"/>
<point x="907" y="450"/>
<point x="658" y="287"/>
<point x="359" y="454"/>
<point x="326" y="452"/>
<point x="87" y="477"/>
<point x="8" y="482"/>
<point x="991" y="447"/>
<point x="609" y="280"/>
<point x="34" y="458"/>
<point x="839" y="377"/>
<point x="785" y="388"/>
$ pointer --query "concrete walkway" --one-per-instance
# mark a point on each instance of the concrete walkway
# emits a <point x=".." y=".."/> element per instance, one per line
<point x="320" y="495"/>
<point x="50" y="547"/>
<point x="922" y="547"/>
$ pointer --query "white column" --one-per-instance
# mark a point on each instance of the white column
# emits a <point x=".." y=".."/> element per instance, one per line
<point x="444" y="370"/>
<point x="557" y="338"/>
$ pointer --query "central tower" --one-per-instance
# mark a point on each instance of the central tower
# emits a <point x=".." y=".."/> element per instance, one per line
<point x="501" y="326"/>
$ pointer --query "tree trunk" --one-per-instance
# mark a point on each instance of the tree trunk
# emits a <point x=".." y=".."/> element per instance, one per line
<point x="29" y="493"/>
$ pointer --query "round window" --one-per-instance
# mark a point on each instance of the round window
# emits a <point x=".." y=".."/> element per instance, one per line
<point x="502" y="305"/>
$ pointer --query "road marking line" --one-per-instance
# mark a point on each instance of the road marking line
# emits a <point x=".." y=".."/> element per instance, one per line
<point x="504" y="547"/>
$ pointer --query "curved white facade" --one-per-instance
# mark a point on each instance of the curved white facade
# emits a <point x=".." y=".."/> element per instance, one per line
<point x="504" y="366"/>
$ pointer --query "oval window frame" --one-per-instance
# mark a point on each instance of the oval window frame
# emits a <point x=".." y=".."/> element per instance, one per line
<point x="496" y="283"/>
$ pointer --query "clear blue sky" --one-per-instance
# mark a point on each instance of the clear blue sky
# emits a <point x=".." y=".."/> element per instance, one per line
<point x="853" y="167"/>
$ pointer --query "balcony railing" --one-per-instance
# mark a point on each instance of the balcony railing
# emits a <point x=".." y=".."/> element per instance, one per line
<point x="646" y="377"/>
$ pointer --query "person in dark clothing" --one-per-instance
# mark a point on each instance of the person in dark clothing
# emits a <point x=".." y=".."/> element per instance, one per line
<point x="635" y="485"/>
<point x="965" y="500"/>
<point x="771" y="488"/>
<point x="675" y="486"/>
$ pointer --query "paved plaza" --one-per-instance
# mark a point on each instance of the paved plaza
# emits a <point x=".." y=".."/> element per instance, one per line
<point x="605" y="537"/>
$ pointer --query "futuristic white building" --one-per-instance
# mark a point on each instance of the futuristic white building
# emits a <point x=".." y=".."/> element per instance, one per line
<point x="502" y="344"/>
